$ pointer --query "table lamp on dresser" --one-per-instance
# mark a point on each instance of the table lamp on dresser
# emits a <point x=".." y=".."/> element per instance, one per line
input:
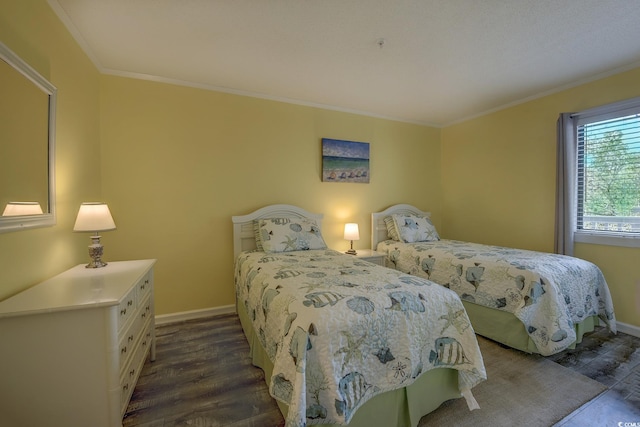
<point x="94" y="217"/>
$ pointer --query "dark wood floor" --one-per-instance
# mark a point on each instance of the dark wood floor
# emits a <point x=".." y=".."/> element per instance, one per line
<point x="613" y="360"/>
<point x="203" y="377"/>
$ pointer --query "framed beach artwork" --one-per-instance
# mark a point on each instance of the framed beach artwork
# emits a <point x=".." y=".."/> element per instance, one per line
<point x="345" y="161"/>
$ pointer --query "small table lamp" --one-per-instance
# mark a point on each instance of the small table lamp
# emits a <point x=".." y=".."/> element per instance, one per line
<point x="351" y="233"/>
<point x="94" y="216"/>
<point x="22" y="208"/>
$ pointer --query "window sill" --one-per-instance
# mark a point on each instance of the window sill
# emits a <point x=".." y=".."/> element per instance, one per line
<point x="604" y="238"/>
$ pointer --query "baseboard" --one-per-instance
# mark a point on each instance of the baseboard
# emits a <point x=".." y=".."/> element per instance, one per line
<point x="228" y="309"/>
<point x="628" y="329"/>
<point x="163" y="319"/>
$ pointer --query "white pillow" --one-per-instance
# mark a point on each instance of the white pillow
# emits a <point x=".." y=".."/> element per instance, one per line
<point x="289" y="234"/>
<point x="413" y="228"/>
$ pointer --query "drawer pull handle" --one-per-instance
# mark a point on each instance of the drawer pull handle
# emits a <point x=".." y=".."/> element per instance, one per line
<point x="124" y="350"/>
<point x="132" y="372"/>
<point x="123" y="312"/>
<point x="130" y="303"/>
<point x="125" y="387"/>
<point x="130" y="337"/>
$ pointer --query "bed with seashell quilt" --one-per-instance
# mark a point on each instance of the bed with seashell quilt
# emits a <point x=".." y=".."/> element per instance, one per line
<point x="343" y="341"/>
<point x="532" y="301"/>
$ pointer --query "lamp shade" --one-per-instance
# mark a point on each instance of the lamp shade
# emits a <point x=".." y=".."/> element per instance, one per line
<point x="351" y="231"/>
<point x="22" y="208"/>
<point x="94" y="216"/>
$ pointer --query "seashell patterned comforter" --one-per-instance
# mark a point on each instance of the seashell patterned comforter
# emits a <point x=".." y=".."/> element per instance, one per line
<point x="340" y="330"/>
<point x="549" y="293"/>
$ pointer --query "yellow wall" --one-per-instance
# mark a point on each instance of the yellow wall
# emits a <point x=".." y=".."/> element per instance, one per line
<point x="178" y="162"/>
<point x="31" y="30"/>
<point x="498" y="176"/>
<point x="175" y="163"/>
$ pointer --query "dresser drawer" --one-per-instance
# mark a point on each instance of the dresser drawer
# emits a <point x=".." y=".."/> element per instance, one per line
<point x="129" y="339"/>
<point x="146" y="309"/>
<point x="127" y="308"/>
<point x="131" y="372"/>
<point x="144" y="285"/>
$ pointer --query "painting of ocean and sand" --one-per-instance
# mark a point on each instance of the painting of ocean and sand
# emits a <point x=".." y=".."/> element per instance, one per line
<point x="345" y="161"/>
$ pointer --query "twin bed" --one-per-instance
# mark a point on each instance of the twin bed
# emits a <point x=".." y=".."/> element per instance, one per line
<point x="532" y="301"/>
<point x="342" y="340"/>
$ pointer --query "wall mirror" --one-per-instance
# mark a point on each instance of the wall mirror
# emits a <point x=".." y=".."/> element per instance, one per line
<point x="27" y="145"/>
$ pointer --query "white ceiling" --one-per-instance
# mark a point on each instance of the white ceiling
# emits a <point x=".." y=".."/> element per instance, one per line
<point x="442" y="61"/>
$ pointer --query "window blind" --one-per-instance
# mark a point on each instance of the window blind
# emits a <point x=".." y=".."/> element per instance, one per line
<point x="608" y="168"/>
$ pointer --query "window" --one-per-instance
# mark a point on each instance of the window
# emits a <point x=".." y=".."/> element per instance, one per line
<point x="608" y="173"/>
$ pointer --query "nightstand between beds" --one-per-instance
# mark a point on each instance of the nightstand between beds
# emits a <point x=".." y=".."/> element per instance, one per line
<point x="371" y="256"/>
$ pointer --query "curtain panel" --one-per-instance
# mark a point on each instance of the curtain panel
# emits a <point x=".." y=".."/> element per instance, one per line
<point x="566" y="164"/>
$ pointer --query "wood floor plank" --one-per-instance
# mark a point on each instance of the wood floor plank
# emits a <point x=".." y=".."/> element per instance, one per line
<point x="203" y="377"/>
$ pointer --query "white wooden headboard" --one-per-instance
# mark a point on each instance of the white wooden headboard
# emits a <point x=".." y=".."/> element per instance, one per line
<point x="243" y="235"/>
<point x="378" y="227"/>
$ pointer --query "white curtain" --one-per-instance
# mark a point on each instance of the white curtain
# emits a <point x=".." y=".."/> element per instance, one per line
<point x="565" y="185"/>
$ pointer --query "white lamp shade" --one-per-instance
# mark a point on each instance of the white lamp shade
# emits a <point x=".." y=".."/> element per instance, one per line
<point x="351" y="231"/>
<point x="94" y="216"/>
<point x="22" y="208"/>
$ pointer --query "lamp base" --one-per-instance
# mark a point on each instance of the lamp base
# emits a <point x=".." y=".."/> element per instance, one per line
<point x="95" y="253"/>
<point x="95" y="264"/>
<point x="351" y="252"/>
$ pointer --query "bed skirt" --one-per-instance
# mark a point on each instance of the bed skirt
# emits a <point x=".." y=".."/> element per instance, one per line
<point x="402" y="407"/>
<point x="505" y="328"/>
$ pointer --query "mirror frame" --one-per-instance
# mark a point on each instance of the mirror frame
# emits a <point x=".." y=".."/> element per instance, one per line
<point x="48" y="218"/>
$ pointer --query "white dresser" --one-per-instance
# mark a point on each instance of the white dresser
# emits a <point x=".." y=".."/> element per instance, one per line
<point x="72" y="347"/>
